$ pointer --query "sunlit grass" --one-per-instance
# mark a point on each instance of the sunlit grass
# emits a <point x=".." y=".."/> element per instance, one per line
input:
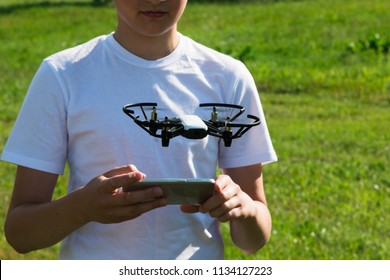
<point x="327" y="109"/>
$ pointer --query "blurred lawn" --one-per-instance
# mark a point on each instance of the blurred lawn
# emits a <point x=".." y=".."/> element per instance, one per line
<point x="324" y="77"/>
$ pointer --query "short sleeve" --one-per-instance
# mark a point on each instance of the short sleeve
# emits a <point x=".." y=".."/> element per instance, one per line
<point x="255" y="146"/>
<point x="39" y="137"/>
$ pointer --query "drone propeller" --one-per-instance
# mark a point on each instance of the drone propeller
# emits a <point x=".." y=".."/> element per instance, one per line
<point x="191" y="126"/>
<point x="169" y="127"/>
<point x="227" y="134"/>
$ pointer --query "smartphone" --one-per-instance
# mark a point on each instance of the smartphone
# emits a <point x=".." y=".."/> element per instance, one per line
<point x="192" y="191"/>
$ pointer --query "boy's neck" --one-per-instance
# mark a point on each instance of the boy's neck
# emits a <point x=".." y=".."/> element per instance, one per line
<point x="148" y="47"/>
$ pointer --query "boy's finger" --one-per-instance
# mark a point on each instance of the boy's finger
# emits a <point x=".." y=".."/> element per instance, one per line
<point x="221" y="182"/>
<point x="150" y="194"/>
<point x="120" y="170"/>
<point x="123" y="180"/>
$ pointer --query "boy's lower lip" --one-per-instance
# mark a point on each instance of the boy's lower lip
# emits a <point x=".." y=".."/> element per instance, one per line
<point x="152" y="14"/>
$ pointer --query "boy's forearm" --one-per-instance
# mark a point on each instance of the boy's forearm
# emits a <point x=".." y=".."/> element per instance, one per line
<point x="251" y="234"/>
<point x="35" y="226"/>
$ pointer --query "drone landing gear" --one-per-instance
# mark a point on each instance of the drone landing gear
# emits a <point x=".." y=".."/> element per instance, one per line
<point x="164" y="139"/>
<point x="227" y="138"/>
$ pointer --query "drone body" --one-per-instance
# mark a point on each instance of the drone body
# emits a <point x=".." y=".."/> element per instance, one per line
<point x="191" y="126"/>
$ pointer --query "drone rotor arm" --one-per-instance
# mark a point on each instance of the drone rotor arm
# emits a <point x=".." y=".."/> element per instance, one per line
<point x="213" y="126"/>
<point x="148" y="127"/>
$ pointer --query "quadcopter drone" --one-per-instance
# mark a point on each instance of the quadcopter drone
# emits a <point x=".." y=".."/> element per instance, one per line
<point x="191" y="126"/>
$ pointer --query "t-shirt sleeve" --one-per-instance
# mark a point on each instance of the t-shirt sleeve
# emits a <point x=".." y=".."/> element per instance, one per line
<point x="39" y="137"/>
<point x="255" y="146"/>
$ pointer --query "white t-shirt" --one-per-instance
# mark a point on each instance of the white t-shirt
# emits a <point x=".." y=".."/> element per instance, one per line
<point x="73" y="113"/>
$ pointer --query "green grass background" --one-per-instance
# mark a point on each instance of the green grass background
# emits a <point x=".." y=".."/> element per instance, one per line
<point x="322" y="68"/>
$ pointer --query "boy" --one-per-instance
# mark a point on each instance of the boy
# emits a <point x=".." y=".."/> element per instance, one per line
<point x="72" y="113"/>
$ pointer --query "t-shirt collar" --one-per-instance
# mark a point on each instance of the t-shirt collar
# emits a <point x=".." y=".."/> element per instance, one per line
<point x="141" y="62"/>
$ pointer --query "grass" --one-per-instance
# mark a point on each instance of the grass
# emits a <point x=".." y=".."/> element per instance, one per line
<point x="327" y="107"/>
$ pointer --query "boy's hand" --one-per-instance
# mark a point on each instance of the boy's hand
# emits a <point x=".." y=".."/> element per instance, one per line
<point x="229" y="202"/>
<point x="106" y="203"/>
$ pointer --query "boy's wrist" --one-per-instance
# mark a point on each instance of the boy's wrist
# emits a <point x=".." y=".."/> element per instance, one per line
<point x="79" y="206"/>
